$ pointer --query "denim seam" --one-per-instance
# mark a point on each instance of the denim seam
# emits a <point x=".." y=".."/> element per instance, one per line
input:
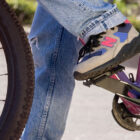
<point x="104" y="25"/>
<point x="50" y="89"/>
<point x="100" y="23"/>
<point x="97" y="22"/>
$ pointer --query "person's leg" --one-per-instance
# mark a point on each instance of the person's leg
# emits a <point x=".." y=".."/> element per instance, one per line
<point x="55" y="54"/>
<point x="88" y="19"/>
<point x="84" y="17"/>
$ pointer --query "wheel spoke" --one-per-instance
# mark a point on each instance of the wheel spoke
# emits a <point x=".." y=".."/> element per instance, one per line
<point x="3" y="74"/>
<point x="2" y="100"/>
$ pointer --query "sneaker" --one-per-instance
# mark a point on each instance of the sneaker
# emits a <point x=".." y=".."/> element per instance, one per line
<point x="107" y="50"/>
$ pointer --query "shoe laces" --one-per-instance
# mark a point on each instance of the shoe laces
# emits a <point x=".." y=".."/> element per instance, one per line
<point x="93" y="42"/>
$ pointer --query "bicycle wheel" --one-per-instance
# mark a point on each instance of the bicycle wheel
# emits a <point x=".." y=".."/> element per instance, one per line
<point x="16" y="75"/>
<point x="123" y="117"/>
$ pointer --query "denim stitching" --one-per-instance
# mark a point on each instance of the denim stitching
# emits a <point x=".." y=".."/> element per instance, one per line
<point x="59" y="39"/>
<point x="104" y="24"/>
<point x="98" y="21"/>
<point x="50" y="91"/>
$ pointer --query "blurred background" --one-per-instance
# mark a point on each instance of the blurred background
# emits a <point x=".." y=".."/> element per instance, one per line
<point x="25" y="10"/>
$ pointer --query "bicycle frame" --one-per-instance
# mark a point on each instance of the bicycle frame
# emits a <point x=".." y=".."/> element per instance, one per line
<point x="132" y="107"/>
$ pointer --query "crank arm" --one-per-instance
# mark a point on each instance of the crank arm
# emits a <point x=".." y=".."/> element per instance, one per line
<point x="118" y="87"/>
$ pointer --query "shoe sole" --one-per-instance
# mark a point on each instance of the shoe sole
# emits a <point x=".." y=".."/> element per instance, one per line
<point x="125" y="53"/>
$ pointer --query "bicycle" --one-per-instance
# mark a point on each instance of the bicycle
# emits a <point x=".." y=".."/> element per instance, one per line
<point x="17" y="73"/>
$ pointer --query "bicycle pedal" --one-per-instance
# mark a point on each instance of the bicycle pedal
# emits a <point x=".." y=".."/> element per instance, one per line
<point x="94" y="80"/>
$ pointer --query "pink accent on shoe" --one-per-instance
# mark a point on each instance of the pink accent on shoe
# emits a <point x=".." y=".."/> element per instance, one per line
<point x="82" y="41"/>
<point x="127" y="21"/>
<point x="109" y="42"/>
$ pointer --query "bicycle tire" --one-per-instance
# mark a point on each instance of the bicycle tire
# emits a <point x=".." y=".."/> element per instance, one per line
<point x="20" y="75"/>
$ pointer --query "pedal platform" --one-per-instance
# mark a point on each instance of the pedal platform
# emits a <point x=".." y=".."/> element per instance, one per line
<point x="118" y="87"/>
<point x="101" y="77"/>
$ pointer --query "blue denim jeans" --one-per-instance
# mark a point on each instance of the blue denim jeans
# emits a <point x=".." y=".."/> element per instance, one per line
<point x="55" y="51"/>
<point x="84" y="17"/>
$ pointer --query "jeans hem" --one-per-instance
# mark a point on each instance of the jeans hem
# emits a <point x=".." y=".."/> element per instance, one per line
<point x="104" y="22"/>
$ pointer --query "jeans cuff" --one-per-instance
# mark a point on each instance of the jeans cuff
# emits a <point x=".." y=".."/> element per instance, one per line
<point x="102" y="23"/>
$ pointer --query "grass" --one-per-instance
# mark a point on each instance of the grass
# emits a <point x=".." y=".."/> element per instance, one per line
<point x="130" y="11"/>
<point x="24" y="9"/>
